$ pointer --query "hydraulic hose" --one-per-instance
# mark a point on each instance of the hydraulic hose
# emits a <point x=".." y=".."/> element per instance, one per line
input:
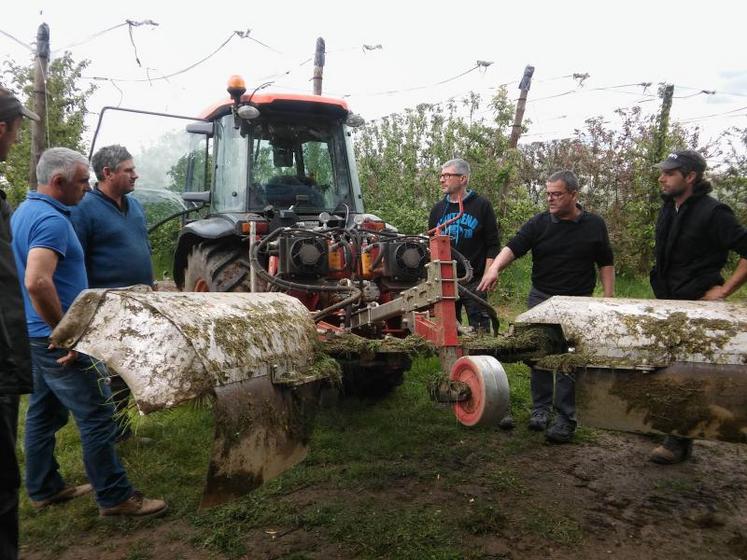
<point x="494" y="321"/>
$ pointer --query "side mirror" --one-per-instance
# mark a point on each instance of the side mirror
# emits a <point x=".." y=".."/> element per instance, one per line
<point x="199" y="197"/>
<point x="205" y="128"/>
<point x="354" y="121"/>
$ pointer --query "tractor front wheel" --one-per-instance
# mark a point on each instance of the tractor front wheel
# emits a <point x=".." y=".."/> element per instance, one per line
<point x="217" y="267"/>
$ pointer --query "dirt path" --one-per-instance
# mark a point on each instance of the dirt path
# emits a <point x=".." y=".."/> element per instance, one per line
<point x="585" y="502"/>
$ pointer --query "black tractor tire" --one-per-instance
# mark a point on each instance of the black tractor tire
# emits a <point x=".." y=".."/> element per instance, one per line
<point x="217" y="267"/>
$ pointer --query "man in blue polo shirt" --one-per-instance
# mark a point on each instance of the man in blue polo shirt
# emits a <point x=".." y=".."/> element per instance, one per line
<point x="111" y="228"/>
<point x="50" y="262"/>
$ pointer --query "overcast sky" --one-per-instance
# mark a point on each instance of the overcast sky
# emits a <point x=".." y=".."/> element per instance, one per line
<point x="698" y="45"/>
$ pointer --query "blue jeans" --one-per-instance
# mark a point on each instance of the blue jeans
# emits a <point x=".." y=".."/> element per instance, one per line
<point x="79" y="390"/>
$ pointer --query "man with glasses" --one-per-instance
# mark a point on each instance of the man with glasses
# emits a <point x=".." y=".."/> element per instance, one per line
<point x="566" y="243"/>
<point x="694" y="234"/>
<point x="474" y="234"/>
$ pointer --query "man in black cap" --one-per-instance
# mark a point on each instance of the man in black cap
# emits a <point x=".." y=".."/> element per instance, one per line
<point x="694" y="234"/>
<point x="15" y="361"/>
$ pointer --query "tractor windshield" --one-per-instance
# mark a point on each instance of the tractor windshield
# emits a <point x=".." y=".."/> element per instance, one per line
<point x="301" y="165"/>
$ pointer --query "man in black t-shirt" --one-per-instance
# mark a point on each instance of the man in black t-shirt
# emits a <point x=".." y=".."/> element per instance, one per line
<point x="474" y="234"/>
<point x="566" y="243"/>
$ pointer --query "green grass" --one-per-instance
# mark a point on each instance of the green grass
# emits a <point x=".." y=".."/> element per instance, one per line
<point x="174" y="468"/>
<point x="557" y="526"/>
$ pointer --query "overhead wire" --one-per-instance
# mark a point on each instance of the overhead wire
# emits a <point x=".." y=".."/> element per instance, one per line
<point x="166" y="76"/>
<point x="9" y="36"/>
<point x="90" y="37"/>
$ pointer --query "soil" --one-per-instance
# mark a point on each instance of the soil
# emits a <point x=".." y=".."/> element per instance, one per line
<point x="620" y="505"/>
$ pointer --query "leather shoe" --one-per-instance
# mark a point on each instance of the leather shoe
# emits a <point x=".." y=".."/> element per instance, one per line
<point x="64" y="495"/>
<point x="136" y="505"/>
<point x="539" y="420"/>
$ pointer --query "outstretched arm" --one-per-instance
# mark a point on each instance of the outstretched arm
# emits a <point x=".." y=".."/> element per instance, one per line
<point x="490" y="276"/>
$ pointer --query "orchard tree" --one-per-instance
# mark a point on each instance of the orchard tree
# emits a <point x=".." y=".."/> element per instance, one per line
<point x="66" y="110"/>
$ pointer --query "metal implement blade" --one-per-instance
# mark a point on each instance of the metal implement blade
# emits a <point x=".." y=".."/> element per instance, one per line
<point x="693" y="400"/>
<point x="261" y="430"/>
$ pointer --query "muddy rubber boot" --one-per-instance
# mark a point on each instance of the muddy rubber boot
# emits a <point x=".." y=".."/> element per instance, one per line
<point x="673" y="450"/>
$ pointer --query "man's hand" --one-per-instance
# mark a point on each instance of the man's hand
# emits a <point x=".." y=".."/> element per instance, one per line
<point x="494" y="268"/>
<point x="488" y="281"/>
<point x="68" y="359"/>
<point x="717" y="293"/>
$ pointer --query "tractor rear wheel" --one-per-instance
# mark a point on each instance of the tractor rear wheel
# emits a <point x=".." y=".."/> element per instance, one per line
<point x="217" y="267"/>
<point x="374" y="377"/>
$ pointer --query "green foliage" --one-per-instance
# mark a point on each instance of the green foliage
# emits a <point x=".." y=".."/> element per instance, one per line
<point x="399" y="157"/>
<point x="66" y="109"/>
<point x="730" y="186"/>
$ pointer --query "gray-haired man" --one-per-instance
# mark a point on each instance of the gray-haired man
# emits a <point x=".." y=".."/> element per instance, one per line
<point x="474" y="234"/>
<point x="50" y="260"/>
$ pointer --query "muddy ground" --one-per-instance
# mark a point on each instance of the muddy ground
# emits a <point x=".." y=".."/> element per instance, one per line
<point x="620" y="507"/>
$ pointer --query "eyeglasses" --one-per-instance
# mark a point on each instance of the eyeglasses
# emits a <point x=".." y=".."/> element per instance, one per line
<point x="448" y="175"/>
<point x="554" y="195"/>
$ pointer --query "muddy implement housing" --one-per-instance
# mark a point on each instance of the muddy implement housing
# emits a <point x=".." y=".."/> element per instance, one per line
<point x="652" y="365"/>
<point x="256" y="354"/>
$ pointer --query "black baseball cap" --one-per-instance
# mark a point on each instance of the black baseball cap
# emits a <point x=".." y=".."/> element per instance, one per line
<point x="11" y="108"/>
<point x="689" y="160"/>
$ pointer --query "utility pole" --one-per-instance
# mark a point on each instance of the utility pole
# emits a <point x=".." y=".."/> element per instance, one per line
<point x="38" y="129"/>
<point x="526" y="83"/>
<point x="660" y="142"/>
<point x="318" y="66"/>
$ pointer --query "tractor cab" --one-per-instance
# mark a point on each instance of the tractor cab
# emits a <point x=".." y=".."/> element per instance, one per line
<point x="273" y="152"/>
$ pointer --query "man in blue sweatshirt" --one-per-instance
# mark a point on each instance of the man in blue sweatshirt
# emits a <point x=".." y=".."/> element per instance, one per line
<point x="112" y="231"/>
<point x="475" y="234"/>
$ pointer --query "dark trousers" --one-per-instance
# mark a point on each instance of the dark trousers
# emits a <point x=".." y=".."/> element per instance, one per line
<point x="477" y="315"/>
<point x="543" y="382"/>
<point x="9" y="477"/>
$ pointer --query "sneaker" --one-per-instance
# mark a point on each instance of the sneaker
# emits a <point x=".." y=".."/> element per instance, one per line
<point x="673" y="450"/>
<point x="507" y="423"/>
<point x="561" y="431"/>
<point x="64" y="495"/>
<point x="136" y="505"/>
<point x="539" y="420"/>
